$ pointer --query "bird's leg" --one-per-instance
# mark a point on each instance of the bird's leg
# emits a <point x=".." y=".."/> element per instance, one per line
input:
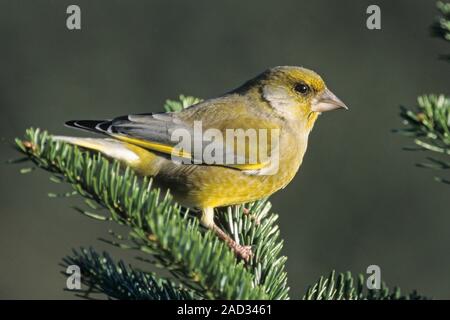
<point x="244" y="252"/>
<point x="207" y="220"/>
<point x="247" y="212"/>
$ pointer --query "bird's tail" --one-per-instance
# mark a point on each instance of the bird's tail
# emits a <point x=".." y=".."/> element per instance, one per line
<point x="139" y="159"/>
<point x="88" y="125"/>
<point x="109" y="147"/>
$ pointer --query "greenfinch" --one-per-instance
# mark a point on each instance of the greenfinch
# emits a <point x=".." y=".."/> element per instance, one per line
<point x="284" y="100"/>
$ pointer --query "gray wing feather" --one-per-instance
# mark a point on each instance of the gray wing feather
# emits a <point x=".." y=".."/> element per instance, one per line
<point x="157" y="127"/>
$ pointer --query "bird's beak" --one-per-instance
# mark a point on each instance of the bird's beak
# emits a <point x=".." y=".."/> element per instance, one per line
<point x="327" y="101"/>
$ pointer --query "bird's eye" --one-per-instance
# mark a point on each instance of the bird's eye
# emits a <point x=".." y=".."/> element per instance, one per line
<point x="302" y="88"/>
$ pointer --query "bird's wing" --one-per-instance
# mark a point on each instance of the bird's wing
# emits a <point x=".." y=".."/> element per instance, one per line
<point x="163" y="132"/>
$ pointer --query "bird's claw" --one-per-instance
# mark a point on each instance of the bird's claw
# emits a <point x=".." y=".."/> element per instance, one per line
<point x="243" y="252"/>
<point x="30" y="146"/>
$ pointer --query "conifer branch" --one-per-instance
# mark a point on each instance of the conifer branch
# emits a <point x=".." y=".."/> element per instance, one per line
<point x="441" y="28"/>
<point x="428" y="124"/>
<point x="345" y="287"/>
<point x="116" y="280"/>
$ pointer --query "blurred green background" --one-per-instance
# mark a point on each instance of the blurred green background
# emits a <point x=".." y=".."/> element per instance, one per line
<point x="358" y="198"/>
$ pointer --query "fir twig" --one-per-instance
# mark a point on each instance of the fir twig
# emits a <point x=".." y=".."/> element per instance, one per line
<point x="345" y="287"/>
<point x="116" y="280"/>
<point x="428" y="124"/>
<point x="441" y="28"/>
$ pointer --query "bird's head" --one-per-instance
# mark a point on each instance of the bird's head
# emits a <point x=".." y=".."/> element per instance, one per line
<point x="296" y="93"/>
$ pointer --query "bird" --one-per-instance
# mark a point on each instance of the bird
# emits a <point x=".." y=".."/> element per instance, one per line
<point x="286" y="100"/>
